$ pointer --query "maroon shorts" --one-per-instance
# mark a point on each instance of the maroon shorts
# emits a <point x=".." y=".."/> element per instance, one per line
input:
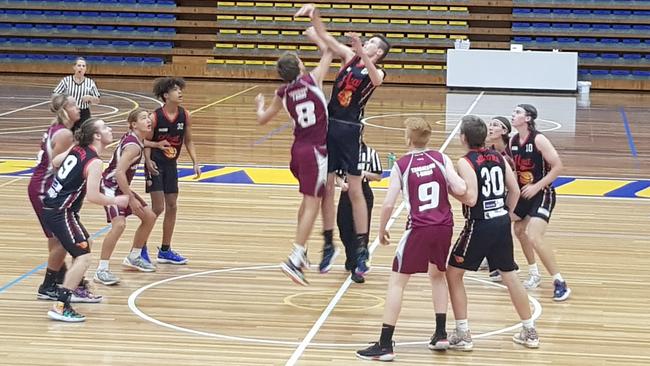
<point x="421" y="246"/>
<point x="309" y="166"/>
<point x="37" y="203"/>
<point x="113" y="211"/>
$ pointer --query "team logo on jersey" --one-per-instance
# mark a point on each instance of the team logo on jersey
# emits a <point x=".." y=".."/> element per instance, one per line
<point x="170" y="152"/>
<point x="525" y="177"/>
<point x="364" y="71"/>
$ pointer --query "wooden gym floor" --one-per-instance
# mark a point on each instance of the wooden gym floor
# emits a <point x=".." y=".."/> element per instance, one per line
<point x="232" y="306"/>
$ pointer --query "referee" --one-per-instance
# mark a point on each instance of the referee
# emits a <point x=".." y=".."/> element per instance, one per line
<point x="81" y="88"/>
<point x="370" y="167"/>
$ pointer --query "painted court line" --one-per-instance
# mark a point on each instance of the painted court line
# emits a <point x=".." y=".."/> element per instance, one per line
<point x="339" y="294"/>
<point x="23" y="108"/>
<point x="628" y="132"/>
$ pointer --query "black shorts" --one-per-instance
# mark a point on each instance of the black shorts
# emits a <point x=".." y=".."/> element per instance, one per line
<point x="343" y="146"/>
<point x="166" y="180"/>
<point x="491" y="239"/>
<point x="539" y="206"/>
<point x="67" y="228"/>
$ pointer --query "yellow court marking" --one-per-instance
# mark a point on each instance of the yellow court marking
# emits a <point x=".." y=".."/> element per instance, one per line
<point x="271" y="176"/>
<point x="14" y="166"/>
<point x="645" y="193"/>
<point x="591" y="187"/>
<point x="211" y="174"/>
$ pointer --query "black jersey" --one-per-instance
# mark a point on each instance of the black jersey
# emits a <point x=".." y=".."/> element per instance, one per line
<point x="490" y="169"/>
<point x="350" y="93"/>
<point x="69" y="183"/>
<point x="171" y="129"/>
<point x="529" y="162"/>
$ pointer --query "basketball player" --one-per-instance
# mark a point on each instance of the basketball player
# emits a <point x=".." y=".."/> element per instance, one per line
<point x="115" y="181"/>
<point x="170" y="122"/>
<point x="538" y="165"/>
<point x="81" y="167"/>
<point x="303" y="99"/>
<point x="83" y="89"/>
<point x="492" y="192"/>
<point x="423" y="176"/>
<point x="354" y="84"/>
<point x="371" y="171"/>
<point x="56" y="140"/>
<point x="498" y="137"/>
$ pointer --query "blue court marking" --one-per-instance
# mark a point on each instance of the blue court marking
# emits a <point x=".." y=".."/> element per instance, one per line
<point x="277" y="130"/>
<point x="630" y="189"/>
<point x="12" y="283"/>
<point x="560" y="181"/>
<point x="628" y="132"/>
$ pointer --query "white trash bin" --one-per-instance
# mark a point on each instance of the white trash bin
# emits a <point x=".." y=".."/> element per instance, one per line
<point x="584" y="87"/>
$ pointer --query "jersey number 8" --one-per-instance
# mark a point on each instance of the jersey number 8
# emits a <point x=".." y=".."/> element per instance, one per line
<point x="305" y="115"/>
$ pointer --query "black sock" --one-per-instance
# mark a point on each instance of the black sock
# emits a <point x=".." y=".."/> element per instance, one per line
<point x="82" y="282"/>
<point x="329" y="237"/>
<point x="61" y="274"/>
<point x="65" y="295"/>
<point x="441" y="323"/>
<point x="386" y="338"/>
<point x="164" y="247"/>
<point x="50" y="278"/>
<point x="362" y="239"/>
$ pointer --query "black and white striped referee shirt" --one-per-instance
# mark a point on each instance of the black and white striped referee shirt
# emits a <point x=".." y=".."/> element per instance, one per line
<point x="70" y="87"/>
<point x="369" y="161"/>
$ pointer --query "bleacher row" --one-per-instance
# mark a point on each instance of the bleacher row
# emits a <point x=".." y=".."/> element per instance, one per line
<point x="37" y="15"/>
<point x="58" y="58"/>
<point x="102" y="2"/>
<point x="65" y="28"/>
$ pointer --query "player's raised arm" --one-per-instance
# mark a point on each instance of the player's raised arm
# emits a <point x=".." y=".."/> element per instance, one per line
<point x="265" y="115"/>
<point x="320" y="72"/>
<point x="339" y="49"/>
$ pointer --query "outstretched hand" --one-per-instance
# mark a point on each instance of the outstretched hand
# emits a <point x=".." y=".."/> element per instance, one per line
<point x="307" y="10"/>
<point x="355" y="42"/>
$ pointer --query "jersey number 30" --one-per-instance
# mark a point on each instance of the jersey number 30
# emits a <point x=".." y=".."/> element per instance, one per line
<point x="305" y="115"/>
<point x="492" y="181"/>
<point x="429" y="196"/>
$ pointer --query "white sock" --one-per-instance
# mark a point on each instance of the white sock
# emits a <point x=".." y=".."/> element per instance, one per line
<point x="528" y="323"/>
<point x="297" y="255"/>
<point x="103" y="265"/>
<point x="558" y="277"/>
<point x="462" y="325"/>
<point x="533" y="270"/>
<point x="135" y="253"/>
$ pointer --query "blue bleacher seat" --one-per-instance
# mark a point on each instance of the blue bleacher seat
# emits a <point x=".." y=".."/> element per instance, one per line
<point x="90" y="14"/>
<point x="522" y="39"/>
<point x="127" y="2"/>
<point x="92" y="1"/>
<point x="4" y="40"/>
<point x="120" y="43"/>
<point x="71" y="14"/>
<point x="108" y="14"/>
<point x="147" y="17"/>
<point x="565" y="39"/>
<point x="560" y="25"/>
<point x="641" y="13"/>
<point x="133" y="59"/>
<point x="622" y="73"/>
<point x="641" y="27"/>
<point x="43" y="27"/>
<point x="95" y="59"/>
<point x="56" y="58"/>
<point x="17" y="57"/>
<point x="163" y="44"/>
<point x="521" y="11"/>
<point x="626" y="13"/>
<point x="166" y="3"/>
<point x="13" y="12"/>
<point x="64" y="27"/>
<point x="587" y="40"/>
<point x="609" y="40"/>
<point x="23" y="27"/>
<point x="84" y="28"/>
<point x="59" y="42"/>
<point x="6" y="26"/>
<point x="541" y="26"/>
<point x="516" y="25"/>
<point x="156" y="60"/>
<point x="562" y="12"/>
<point x="145" y="29"/>
<point x="110" y="2"/>
<point x="38" y="42"/>
<point x="597" y="72"/>
<point x="544" y="39"/>
<point x="33" y="13"/>
<point x="165" y="17"/>
<point x="641" y="73"/>
<point x="609" y="56"/>
<point x="600" y="26"/>
<point x="581" y="27"/>
<point x="147" y="2"/>
<point x="4" y="57"/>
<point x="632" y="56"/>
<point x="36" y="57"/>
<point x="541" y="11"/>
<point x="141" y="44"/>
<point x="581" y="12"/>
<point x="632" y="41"/>
<point x="166" y="30"/>
<point x="126" y="16"/>
<point x="105" y="28"/>
<point x="621" y="27"/>
<point x="125" y="28"/>
<point x="100" y="43"/>
<point x="601" y="12"/>
<point x="113" y="58"/>
<point x="79" y="43"/>
<point x="587" y="55"/>
<point x="52" y="13"/>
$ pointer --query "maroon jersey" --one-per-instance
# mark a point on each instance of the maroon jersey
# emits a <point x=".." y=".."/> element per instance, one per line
<point x="506" y="157"/>
<point x="44" y="171"/>
<point x="306" y="104"/>
<point x="68" y="187"/>
<point x="529" y="162"/>
<point x="424" y="187"/>
<point x="171" y="129"/>
<point x="351" y="91"/>
<point x="109" y="179"/>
